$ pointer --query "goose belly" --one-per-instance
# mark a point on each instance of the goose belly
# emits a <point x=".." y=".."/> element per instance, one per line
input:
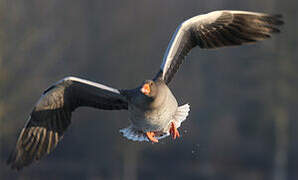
<point x="156" y="119"/>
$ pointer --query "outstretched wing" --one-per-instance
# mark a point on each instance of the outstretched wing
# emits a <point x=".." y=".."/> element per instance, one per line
<point x="214" y="30"/>
<point x="52" y="115"/>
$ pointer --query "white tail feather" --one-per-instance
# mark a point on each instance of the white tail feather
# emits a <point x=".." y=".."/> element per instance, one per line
<point x="135" y="135"/>
<point x="181" y="114"/>
<point x="132" y="134"/>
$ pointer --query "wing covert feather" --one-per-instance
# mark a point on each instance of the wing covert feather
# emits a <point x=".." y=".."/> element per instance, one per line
<point x="51" y="116"/>
<point x="214" y="30"/>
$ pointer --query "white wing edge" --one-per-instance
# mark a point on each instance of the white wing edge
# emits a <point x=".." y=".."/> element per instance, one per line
<point x="89" y="83"/>
<point x="203" y="19"/>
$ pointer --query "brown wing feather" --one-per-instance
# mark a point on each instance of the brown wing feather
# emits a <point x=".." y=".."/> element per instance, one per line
<point x="51" y="116"/>
<point x="214" y="30"/>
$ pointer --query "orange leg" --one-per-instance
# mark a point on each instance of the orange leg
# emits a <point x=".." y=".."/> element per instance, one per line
<point x="174" y="132"/>
<point x="151" y="137"/>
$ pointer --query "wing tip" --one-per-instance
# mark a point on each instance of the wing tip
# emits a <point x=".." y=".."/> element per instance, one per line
<point x="13" y="162"/>
<point x="274" y="19"/>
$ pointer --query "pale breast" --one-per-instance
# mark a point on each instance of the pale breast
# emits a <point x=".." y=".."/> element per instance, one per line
<point x="157" y="118"/>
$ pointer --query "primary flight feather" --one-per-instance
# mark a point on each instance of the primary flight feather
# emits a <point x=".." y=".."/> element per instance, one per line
<point x="153" y="109"/>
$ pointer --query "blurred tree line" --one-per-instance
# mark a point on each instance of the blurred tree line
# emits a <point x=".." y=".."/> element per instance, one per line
<point x="243" y="100"/>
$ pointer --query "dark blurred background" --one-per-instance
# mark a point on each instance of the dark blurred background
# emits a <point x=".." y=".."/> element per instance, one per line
<point x="243" y="118"/>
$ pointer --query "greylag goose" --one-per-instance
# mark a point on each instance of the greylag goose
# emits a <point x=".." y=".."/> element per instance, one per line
<point x="153" y="109"/>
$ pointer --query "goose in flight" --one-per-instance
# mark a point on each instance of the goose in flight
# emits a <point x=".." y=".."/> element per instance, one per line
<point x="153" y="110"/>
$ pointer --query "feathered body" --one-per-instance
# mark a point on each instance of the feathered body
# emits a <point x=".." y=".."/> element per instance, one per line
<point x="153" y="110"/>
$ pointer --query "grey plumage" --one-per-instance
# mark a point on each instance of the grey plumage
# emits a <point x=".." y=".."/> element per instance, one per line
<point x="154" y="111"/>
<point x="214" y="30"/>
<point x="51" y="116"/>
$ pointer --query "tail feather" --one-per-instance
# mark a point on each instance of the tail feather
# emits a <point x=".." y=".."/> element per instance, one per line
<point x="135" y="135"/>
<point x="181" y="114"/>
<point x="132" y="134"/>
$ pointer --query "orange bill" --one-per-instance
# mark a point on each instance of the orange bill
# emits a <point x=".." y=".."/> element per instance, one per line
<point x="145" y="89"/>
